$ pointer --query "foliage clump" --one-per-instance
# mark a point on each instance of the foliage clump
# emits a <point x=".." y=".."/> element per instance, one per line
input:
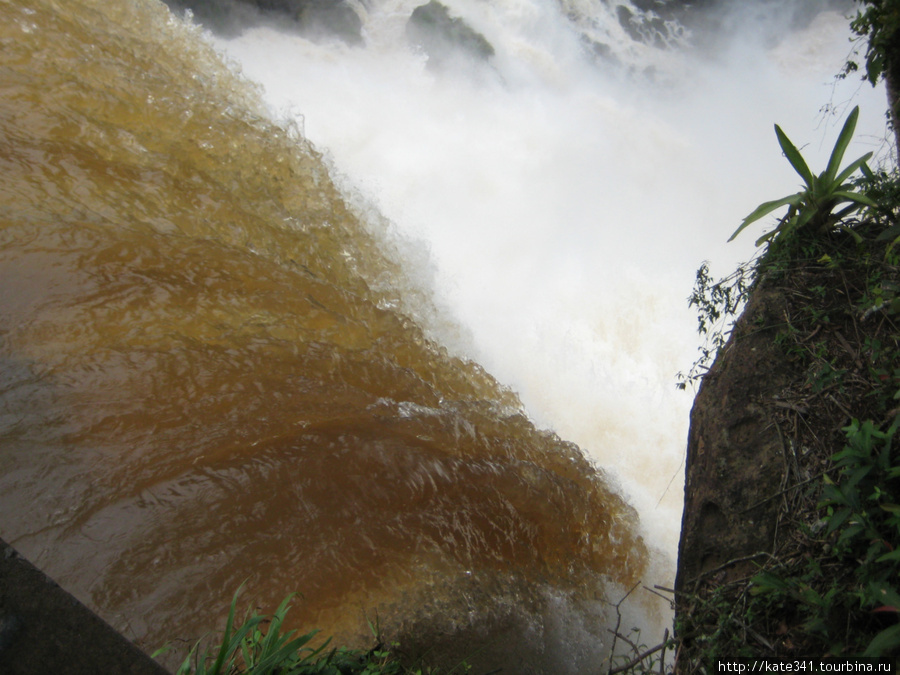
<point x="814" y="206"/>
<point x="259" y="646"/>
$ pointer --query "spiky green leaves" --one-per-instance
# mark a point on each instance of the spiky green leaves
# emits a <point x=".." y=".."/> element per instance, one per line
<point x="262" y="653"/>
<point x="814" y="207"/>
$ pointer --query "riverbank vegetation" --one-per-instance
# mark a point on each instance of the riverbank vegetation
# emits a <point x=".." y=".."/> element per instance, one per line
<point x="259" y="645"/>
<point x="830" y="585"/>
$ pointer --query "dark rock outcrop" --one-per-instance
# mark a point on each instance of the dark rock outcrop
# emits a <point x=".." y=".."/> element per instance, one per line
<point x="762" y="564"/>
<point x="735" y="455"/>
<point x="318" y="17"/>
<point x="647" y="27"/>
<point x="315" y="19"/>
<point x="445" y="38"/>
<point x="742" y="470"/>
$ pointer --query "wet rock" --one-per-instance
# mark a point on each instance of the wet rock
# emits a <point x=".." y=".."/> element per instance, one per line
<point x="10" y="626"/>
<point x="319" y="17"/>
<point x="445" y="38"/>
<point x="315" y="19"/>
<point x="647" y="25"/>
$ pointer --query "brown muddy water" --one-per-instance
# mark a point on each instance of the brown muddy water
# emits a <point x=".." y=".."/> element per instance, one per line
<point x="209" y="376"/>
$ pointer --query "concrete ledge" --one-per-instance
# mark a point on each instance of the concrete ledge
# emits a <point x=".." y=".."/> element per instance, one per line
<point x="45" y="630"/>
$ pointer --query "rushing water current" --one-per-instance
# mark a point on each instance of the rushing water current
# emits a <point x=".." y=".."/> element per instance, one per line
<point x="218" y="367"/>
<point x="206" y="379"/>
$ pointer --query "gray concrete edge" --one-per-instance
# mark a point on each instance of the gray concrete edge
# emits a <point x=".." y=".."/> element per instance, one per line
<point x="44" y="629"/>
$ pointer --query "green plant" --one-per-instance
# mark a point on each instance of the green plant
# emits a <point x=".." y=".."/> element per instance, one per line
<point x="830" y="584"/>
<point x="831" y="603"/>
<point x="883" y="187"/>
<point x="880" y="22"/>
<point x="717" y="626"/>
<point x="814" y="207"/>
<point x="863" y="511"/>
<point x="261" y="653"/>
<point x="718" y="303"/>
<point x="260" y="647"/>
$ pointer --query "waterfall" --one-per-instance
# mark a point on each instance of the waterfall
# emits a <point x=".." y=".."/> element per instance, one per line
<point x="399" y="336"/>
<point x="565" y="195"/>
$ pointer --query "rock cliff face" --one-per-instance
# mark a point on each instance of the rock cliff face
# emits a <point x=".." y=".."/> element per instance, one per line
<point x="738" y="464"/>
<point x="735" y="453"/>
<point x="763" y="567"/>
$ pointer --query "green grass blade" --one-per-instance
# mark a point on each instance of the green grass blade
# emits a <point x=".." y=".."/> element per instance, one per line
<point x="162" y="650"/>
<point x="851" y="168"/>
<point x="283" y="655"/>
<point x="232" y="639"/>
<point x="185" y="668"/>
<point x="840" y="147"/>
<point x="231" y="645"/>
<point x="765" y="209"/>
<point x="230" y="642"/>
<point x="794" y="157"/>
<point x="247" y="653"/>
<point x="272" y="640"/>
<point x="855" y="197"/>
<point x="226" y="637"/>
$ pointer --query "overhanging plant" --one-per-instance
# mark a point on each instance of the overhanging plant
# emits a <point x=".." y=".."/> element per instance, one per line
<point x="814" y="207"/>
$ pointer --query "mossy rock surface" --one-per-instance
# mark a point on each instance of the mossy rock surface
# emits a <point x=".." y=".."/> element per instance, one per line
<point x="760" y="572"/>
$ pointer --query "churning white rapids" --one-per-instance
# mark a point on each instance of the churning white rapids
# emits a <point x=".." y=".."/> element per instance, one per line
<point x="560" y="204"/>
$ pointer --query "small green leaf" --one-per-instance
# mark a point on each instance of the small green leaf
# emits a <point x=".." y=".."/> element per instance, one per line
<point x="765" y="209"/>
<point x="886" y="641"/>
<point x="851" y="168"/>
<point x="840" y="147"/>
<point x="855" y="197"/>
<point x="765" y="582"/>
<point x="795" y="158"/>
<point x="893" y="555"/>
<point x="838" y="519"/>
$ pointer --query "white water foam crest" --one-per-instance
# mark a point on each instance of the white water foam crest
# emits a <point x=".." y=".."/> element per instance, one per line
<point x="567" y="207"/>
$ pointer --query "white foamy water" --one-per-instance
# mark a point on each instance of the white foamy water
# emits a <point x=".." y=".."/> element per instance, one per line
<point x="566" y="204"/>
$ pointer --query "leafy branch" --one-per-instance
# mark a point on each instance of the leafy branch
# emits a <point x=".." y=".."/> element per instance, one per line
<point x="718" y="305"/>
